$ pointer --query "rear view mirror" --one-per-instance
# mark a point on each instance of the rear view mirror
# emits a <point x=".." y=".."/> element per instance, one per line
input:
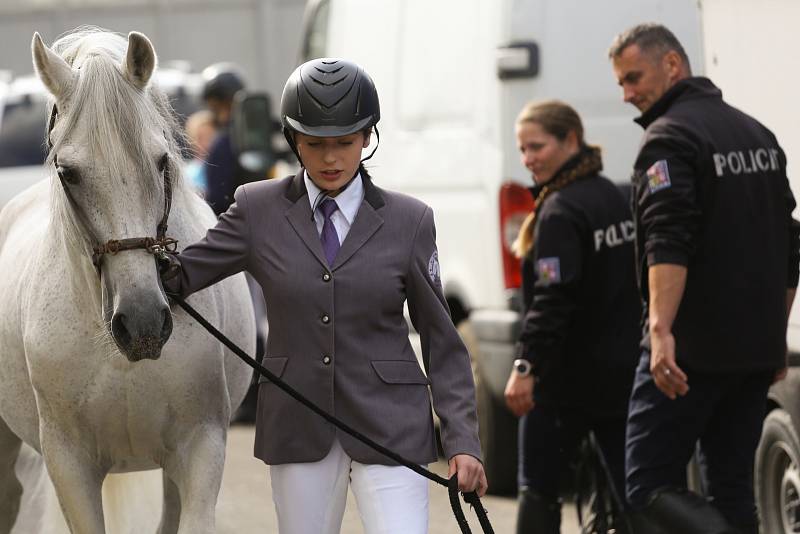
<point x="518" y="60"/>
<point x="252" y="130"/>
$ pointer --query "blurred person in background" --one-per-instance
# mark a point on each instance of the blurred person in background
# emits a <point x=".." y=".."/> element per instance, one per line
<point x="223" y="174"/>
<point x="200" y="131"/>
<point x="578" y="346"/>
<point x="717" y="261"/>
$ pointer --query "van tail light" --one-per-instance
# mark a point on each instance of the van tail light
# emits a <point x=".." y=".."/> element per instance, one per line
<point x="516" y="203"/>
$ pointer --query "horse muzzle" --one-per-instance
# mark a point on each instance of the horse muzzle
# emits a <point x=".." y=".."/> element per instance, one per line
<point x="140" y="335"/>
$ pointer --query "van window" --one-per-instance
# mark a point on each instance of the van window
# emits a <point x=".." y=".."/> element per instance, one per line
<point x="317" y="35"/>
<point x="22" y="132"/>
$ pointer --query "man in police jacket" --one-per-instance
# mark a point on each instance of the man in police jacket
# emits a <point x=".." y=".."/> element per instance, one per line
<point x="717" y="261"/>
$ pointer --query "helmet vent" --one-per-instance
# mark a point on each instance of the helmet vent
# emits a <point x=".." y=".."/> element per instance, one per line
<point x="334" y="71"/>
<point x="329" y="84"/>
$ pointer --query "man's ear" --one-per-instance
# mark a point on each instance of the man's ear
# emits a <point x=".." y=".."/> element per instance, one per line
<point x="367" y="137"/>
<point x="673" y="64"/>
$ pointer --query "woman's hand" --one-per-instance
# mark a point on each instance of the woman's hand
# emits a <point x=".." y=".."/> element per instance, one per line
<point x="519" y="393"/>
<point x="471" y="476"/>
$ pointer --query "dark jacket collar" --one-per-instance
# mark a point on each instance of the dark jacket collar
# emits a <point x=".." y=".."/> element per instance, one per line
<point x="688" y="88"/>
<point x="588" y="158"/>
<point x="297" y="189"/>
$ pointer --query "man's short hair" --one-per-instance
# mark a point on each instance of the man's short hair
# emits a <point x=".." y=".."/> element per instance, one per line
<point x="652" y="39"/>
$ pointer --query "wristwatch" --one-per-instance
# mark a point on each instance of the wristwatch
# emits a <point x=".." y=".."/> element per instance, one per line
<point x="523" y="367"/>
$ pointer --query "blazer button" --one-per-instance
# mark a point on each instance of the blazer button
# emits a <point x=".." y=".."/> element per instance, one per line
<point x="326" y="277"/>
<point x="326" y="360"/>
<point x="325" y="319"/>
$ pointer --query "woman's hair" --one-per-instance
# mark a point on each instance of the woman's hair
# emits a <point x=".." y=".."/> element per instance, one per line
<point x="557" y="119"/>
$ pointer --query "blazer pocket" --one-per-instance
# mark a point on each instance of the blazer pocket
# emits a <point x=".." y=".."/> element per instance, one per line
<point x="275" y="366"/>
<point x="400" y="372"/>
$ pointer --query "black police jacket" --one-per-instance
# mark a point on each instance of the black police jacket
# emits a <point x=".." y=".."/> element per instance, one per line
<point x="581" y="326"/>
<point x="711" y="194"/>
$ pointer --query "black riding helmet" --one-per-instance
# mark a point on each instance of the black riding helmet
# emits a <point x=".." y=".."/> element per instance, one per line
<point x="328" y="97"/>
<point x="222" y="81"/>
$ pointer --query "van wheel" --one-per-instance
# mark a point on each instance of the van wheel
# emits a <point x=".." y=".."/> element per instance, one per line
<point x="778" y="475"/>
<point x="497" y="431"/>
<point x="497" y="426"/>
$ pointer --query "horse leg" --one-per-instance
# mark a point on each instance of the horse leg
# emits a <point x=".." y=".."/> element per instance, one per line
<point x="196" y="469"/>
<point x="171" y="513"/>
<point x="10" y="486"/>
<point x="78" y="482"/>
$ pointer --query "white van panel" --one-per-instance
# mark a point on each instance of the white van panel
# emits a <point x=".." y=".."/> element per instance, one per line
<point x="751" y="55"/>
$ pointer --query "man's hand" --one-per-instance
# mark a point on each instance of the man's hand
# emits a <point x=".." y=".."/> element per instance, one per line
<point x="471" y="476"/>
<point x="669" y="378"/>
<point x="519" y="393"/>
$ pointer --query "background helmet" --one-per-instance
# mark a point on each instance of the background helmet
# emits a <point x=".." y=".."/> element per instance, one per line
<point x="328" y="97"/>
<point x="222" y="81"/>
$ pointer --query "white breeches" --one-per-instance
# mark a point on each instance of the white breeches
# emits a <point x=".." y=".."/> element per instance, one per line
<point x="310" y="497"/>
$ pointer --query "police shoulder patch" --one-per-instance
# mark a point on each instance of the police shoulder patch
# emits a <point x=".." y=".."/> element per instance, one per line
<point x="548" y="270"/>
<point x="433" y="268"/>
<point x="658" y="176"/>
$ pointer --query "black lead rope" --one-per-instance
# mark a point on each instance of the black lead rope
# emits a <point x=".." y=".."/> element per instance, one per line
<point x="452" y="484"/>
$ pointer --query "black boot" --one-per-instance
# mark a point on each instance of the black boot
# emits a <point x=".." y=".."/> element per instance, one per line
<point x="685" y="512"/>
<point x="538" y="514"/>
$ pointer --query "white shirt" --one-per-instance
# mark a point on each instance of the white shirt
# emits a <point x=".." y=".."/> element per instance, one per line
<point x="348" y="201"/>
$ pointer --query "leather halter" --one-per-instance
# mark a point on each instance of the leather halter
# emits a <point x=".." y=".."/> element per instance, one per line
<point x="159" y="246"/>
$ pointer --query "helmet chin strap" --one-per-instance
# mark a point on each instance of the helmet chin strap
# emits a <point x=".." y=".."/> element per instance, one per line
<point x="325" y="193"/>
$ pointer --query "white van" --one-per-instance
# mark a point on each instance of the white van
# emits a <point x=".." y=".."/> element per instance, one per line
<point x="452" y="76"/>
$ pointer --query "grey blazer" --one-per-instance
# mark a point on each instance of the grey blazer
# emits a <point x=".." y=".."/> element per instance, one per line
<point x="337" y="334"/>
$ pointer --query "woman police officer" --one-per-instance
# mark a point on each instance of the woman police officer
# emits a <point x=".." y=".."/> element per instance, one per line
<point x="337" y="257"/>
<point x="579" y="338"/>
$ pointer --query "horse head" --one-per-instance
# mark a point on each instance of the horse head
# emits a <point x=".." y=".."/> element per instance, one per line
<point x="114" y="155"/>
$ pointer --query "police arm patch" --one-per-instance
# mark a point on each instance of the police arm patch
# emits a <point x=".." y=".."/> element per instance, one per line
<point x="548" y="270"/>
<point x="658" y="176"/>
<point x="433" y="269"/>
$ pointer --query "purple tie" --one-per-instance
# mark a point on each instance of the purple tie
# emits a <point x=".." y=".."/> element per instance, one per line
<point x="329" y="237"/>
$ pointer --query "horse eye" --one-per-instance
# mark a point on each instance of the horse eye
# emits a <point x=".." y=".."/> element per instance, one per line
<point x="162" y="163"/>
<point x="68" y="175"/>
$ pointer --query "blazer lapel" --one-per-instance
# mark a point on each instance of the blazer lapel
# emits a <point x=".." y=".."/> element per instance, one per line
<point x="300" y="217"/>
<point x="366" y="223"/>
<point x="364" y="226"/>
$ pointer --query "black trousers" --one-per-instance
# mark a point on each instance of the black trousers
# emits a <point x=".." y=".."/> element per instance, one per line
<point x="724" y="411"/>
<point x="549" y="437"/>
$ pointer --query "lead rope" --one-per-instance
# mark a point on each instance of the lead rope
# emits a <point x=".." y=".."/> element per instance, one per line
<point x="452" y="484"/>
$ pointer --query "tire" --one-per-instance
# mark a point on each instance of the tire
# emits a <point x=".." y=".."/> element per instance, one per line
<point x="777" y="475"/>
<point x="497" y="430"/>
<point x="497" y="427"/>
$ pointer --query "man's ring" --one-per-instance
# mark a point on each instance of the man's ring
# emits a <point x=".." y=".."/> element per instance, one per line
<point x="666" y="372"/>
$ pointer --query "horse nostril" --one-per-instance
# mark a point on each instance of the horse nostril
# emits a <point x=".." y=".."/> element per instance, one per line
<point x="120" y="330"/>
<point x="166" y="326"/>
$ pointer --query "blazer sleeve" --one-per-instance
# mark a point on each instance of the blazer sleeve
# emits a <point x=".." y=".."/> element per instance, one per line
<point x="224" y="251"/>
<point x="445" y="357"/>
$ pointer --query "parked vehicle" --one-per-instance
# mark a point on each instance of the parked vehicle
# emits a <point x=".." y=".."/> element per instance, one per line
<point x="23" y="121"/>
<point x="453" y="75"/>
<point x="743" y="43"/>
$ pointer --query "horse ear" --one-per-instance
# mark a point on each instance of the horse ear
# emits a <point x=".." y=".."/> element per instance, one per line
<point x="54" y="72"/>
<point x="140" y="61"/>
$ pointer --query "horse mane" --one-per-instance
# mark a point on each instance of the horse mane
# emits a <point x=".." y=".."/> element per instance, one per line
<point x="116" y="116"/>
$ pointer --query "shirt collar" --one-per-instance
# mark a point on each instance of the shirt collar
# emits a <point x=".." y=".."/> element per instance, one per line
<point x="348" y="200"/>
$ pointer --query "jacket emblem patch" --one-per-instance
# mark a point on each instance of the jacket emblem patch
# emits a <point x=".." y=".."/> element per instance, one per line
<point x="658" y="176"/>
<point x="548" y="270"/>
<point x="433" y="268"/>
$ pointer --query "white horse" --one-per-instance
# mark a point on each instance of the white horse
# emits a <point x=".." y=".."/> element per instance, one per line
<point x="87" y="377"/>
